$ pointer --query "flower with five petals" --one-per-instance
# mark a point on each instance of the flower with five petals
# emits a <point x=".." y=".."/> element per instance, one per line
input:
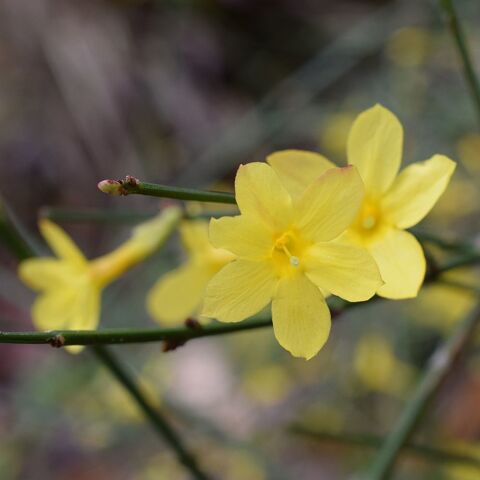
<point x="283" y="240"/>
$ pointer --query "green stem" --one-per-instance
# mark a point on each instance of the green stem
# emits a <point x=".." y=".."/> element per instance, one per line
<point x="160" y="423"/>
<point x="95" y="215"/>
<point x="133" y="186"/>
<point x="115" y="336"/>
<point x="463" y="51"/>
<point x="440" y="365"/>
<point x="12" y="236"/>
<point x="433" y="454"/>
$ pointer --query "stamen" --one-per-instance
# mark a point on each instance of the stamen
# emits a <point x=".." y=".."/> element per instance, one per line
<point x="294" y="261"/>
<point x="368" y="222"/>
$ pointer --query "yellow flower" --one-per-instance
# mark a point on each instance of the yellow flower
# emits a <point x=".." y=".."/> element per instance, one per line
<point x="393" y="202"/>
<point x="178" y="294"/>
<point x="378" y="368"/>
<point x="283" y="241"/>
<point x="70" y="286"/>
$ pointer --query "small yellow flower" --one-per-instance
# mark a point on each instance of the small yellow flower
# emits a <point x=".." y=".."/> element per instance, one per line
<point x="393" y="202"/>
<point x="378" y="368"/>
<point x="178" y="294"/>
<point x="283" y="241"/>
<point x="70" y="286"/>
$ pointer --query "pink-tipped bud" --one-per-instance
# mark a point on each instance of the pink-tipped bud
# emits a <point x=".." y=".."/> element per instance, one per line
<point x="111" y="187"/>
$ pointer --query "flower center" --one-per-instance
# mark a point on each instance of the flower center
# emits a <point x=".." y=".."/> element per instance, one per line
<point x="287" y="244"/>
<point x="370" y="220"/>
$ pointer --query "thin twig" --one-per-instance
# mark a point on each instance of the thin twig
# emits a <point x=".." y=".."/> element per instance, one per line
<point x="132" y="186"/>
<point x="426" y="452"/>
<point x="440" y="365"/>
<point x="158" y="421"/>
<point x="116" y="336"/>
<point x="463" y="51"/>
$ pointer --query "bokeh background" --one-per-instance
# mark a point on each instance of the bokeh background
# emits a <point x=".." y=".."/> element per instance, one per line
<point x="182" y="92"/>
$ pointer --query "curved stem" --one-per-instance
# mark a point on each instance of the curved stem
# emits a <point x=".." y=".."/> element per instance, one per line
<point x="158" y="421"/>
<point x="440" y="365"/>
<point x="463" y="51"/>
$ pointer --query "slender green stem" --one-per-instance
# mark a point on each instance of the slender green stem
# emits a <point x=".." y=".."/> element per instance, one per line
<point x="158" y="421"/>
<point x="95" y="215"/>
<point x="133" y="186"/>
<point x="434" y="454"/>
<point x="440" y="365"/>
<point x="445" y="244"/>
<point x="463" y="50"/>
<point x="117" y="336"/>
<point x="12" y="236"/>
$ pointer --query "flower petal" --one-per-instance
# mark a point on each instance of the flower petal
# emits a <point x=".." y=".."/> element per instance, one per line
<point x="301" y="318"/>
<point x="298" y="168"/>
<point x="261" y="195"/>
<point x="346" y="271"/>
<point x="330" y="204"/>
<point x="178" y="294"/>
<point x="242" y="235"/>
<point x="194" y="235"/>
<point x="375" y="147"/>
<point x="45" y="273"/>
<point x="402" y="265"/>
<point x="71" y="308"/>
<point x="416" y="190"/>
<point x="239" y="290"/>
<point x="60" y="243"/>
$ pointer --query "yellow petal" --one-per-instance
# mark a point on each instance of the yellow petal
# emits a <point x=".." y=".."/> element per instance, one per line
<point x="298" y="168"/>
<point x="402" y="265"/>
<point x="178" y="294"/>
<point x="149" y="235"/>
<point x="68" y="308"/>
<point x="45" y="273"/>
<point x="375" y="147"/>
<point x="301" y="319"/>
<point x="346" y="271"/>
<point x="261" y="195"/>
<point x="239" y="290"/>
<point x="330" y="204"/>
<point x="242" y="235"/>
<point x="194" y="235"/>
<point x="60" y="243"/>
<point x="416" y="190"/>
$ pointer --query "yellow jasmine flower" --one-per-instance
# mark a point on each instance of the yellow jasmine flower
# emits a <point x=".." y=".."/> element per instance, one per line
<point x="283" y="241"/>
<point x="378" y="368"/>
<point x="178" y="294"/>
<point x="393" y="202"/>
<point x="70" y="286"/>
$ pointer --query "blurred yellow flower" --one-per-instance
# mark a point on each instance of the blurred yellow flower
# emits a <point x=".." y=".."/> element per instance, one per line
<point x="409" y="46"/>
<point x="178" y="294"/>
<point x="393" y="202"/>
<point x="71" y="286"/>
<point x="377" y="367"/>
<point x="283" y="240"/>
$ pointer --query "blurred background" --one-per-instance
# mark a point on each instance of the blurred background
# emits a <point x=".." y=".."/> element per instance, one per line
<point x="182" y="92"/>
